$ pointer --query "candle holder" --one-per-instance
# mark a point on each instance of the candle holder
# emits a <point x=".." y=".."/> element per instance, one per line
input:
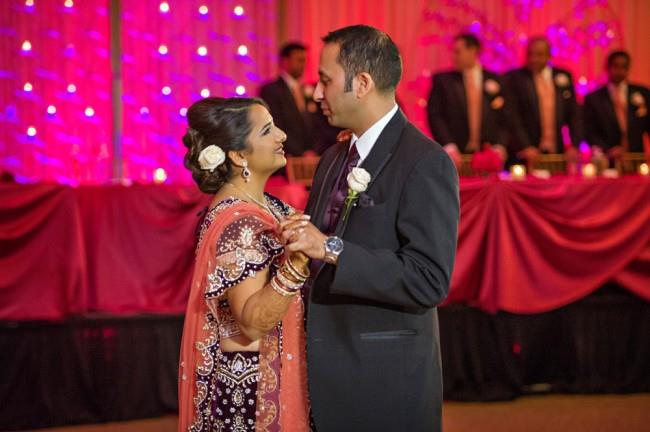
<point x="644" y="169"/>
<point x="518" y="172"/>
<point x="589" y="171"/>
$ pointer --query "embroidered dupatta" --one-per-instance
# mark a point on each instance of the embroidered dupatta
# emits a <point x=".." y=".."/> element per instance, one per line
<point x="281" y="400"/>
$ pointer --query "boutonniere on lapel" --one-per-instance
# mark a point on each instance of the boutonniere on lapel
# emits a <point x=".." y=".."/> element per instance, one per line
<point x="562" y="80"/>
<point x="491" y="87"/>
<point x="497" y="103"/>
<point x="358" y="181"/>
<point x="638" y="101"/>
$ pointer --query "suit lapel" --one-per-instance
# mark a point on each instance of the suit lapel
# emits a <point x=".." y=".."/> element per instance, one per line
<point x="485" y="103"/>
<point x="532" y="91"/>
<point x="459" y="89"/>
<point x="559" y="101"/>
<point x="631" y="108"/>
<point x="378" y="158"/>
<point x="288" y="95"/>
<point x="610" y="110"/>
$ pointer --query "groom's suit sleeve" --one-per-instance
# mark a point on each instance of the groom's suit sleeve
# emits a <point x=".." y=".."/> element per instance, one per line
<point x="418" y="274"/>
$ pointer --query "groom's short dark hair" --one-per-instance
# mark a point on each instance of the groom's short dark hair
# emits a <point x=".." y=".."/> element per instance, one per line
<point x="367" y="49"/>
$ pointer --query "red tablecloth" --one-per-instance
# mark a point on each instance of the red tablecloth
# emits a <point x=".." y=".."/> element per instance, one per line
<point x="533" y="246"/>
<point x="524" y="247"/>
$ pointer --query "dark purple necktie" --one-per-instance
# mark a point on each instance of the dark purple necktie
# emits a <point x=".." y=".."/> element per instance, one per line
<point x="339" y="192"/>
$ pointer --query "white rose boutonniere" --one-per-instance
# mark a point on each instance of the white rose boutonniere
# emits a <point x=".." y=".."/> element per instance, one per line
<point x="637" y="99"/>
<point x="358" y="181"/>
<point x="497" y="103"/>
<point x="562" y="80"/>
<point x="211" y="157"/>
<point x="492" y="87"/>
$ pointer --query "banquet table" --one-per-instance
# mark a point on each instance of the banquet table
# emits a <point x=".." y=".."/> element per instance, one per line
<point x="524" y="246"/>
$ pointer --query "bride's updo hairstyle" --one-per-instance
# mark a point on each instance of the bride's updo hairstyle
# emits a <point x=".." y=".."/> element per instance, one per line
<point x="223" y="122"/>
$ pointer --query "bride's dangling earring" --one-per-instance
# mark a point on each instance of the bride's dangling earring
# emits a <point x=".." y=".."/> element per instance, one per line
<point x="246" y="173"/>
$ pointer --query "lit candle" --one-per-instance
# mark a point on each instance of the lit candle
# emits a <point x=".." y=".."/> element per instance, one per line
<point x="518" y="172"/>
<point x="589" y="170"/>
<point x="159" y="175"/>
<point x="644" y="170"/>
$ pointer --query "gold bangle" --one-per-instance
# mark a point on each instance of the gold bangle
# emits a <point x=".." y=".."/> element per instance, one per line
<point x="287" y="273"/>
<point x="296" y="271"/>
<point x="278" y="288"/>
<point x="286" y="282"/>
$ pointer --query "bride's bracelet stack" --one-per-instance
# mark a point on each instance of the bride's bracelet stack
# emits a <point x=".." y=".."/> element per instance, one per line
<point x="288" y="281"/>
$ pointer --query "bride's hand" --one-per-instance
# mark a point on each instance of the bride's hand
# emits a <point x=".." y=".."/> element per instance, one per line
<point x="299" y="234"/>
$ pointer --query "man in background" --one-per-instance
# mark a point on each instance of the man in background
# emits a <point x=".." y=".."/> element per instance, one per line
<point x="616" y="114"/>
<point x="466" y="105"/>
<point x="288" y="102"/>
<point x="540" y="101"/>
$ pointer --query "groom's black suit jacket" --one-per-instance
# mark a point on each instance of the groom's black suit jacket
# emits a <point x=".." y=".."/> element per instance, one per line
<point x="372" y="341"/>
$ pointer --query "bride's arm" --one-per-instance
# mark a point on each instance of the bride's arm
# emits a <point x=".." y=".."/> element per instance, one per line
<point x="256" y="305"/>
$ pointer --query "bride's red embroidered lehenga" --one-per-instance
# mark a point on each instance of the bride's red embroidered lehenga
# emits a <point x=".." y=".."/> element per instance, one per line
<point x="239" y="391"/>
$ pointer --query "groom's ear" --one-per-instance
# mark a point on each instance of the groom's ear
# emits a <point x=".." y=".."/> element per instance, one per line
<point x="364" y="84"/>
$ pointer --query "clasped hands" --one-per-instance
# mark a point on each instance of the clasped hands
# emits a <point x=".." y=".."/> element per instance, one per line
<point x="298" y="234"/>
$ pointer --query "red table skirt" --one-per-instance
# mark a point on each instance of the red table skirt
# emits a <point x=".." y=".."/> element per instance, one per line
<point x="524" y="247"/>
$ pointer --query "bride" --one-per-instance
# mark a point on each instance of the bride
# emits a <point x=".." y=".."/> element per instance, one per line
<point x="242" y="365"/>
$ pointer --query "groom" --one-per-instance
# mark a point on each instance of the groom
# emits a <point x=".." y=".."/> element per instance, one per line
<point x="383" y="267"/>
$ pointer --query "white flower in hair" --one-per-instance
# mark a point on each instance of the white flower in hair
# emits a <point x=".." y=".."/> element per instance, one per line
<point x="211" y="157"/>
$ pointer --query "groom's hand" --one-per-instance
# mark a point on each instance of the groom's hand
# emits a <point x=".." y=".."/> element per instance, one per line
<point x="299" y="234"/>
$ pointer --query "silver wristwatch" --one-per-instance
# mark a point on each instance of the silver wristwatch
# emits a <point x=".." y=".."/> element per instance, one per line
<point x="333" y="248"/>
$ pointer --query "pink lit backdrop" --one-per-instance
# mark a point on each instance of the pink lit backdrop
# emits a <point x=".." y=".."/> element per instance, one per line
<point x="196" y="49"/>
<point x="174" y="50"/>
<point x="55" y="57"/>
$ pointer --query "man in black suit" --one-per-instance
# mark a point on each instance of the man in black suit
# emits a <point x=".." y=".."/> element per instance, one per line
<point x="465" y="108"/>
<point x="540" y="100"/>
<point x="383" y="265"/>
<point x="616" y="114"/>
<point x="287" y="100"/>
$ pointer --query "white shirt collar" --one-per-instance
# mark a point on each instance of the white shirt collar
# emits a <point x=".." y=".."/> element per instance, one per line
<point x="621" y="89"/>
<point x="547" y="73"/>
<point x="366" y="141"/>
<point x="475" y="73"/>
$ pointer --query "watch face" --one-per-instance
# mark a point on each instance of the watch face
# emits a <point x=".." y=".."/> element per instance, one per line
<point x="334" y="244"/>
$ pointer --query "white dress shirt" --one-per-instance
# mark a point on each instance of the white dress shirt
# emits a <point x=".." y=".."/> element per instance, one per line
<point x="367" y="140"/>
<point x="475" y="73"/>
<point x="618" y="92"/>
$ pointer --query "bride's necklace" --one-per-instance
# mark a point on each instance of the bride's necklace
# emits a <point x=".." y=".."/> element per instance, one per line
<point x="256" y="201"/>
